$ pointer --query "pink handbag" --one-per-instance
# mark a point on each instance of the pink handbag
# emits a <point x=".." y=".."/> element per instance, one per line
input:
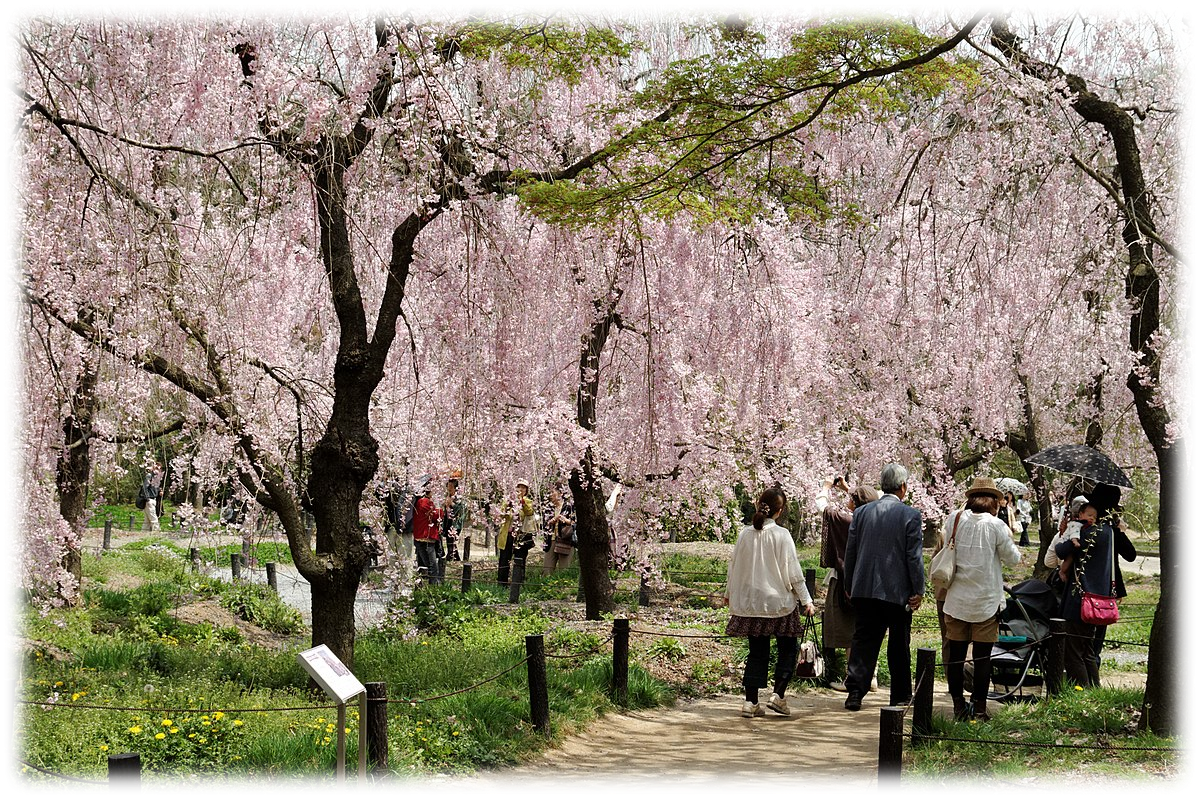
<point x="1098" y="609"/>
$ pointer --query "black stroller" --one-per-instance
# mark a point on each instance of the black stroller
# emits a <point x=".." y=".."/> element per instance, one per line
<point x="1019" y="655"/>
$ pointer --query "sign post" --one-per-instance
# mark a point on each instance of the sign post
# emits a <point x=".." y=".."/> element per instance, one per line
<point x="339" y="683"/>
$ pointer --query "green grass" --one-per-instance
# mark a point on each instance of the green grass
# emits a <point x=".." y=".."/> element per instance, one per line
<point x="1096" y="724"/>
<point x="123" y="649"/>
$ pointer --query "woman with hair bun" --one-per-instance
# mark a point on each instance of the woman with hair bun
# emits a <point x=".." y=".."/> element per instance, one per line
<point x="765" y="590"/>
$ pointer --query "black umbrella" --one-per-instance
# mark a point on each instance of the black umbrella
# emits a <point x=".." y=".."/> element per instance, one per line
<point x="1081" y="461"/>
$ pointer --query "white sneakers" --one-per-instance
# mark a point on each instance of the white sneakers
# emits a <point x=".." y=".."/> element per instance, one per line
<point x="752" y="710"/>
<point x="777" y="703"/>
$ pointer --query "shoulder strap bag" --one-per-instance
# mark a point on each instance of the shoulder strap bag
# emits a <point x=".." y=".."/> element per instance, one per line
<point x="1099" y="609"/>
<point x="944" y="564"/>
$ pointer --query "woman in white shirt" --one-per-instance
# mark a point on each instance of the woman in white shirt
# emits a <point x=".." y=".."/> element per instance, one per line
<point x="984" y="545"/>
<point x="766" y="590"/>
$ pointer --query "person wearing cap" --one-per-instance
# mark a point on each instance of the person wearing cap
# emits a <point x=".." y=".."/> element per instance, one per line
<point x="983" y="546"/>
<point x="516" y="545"/>
<point x="837" y="617"/>
<point x="885" y="576"/>
<point x="426" y="524"/>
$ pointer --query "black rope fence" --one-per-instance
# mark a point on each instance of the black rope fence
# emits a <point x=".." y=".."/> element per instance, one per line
<point x="67" y="777"/>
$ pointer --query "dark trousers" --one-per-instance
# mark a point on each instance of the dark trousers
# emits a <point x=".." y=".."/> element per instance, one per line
<point x="875" y="618"/>
<point x="428" y="561"/>
<point x="787" y="649"/>
<point x="1081" y="662"/>
<point x="508" y="553"/>
<point x="981" y="668"/>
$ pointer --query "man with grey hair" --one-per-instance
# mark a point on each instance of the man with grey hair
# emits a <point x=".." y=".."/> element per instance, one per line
<point x="886" y="582"/>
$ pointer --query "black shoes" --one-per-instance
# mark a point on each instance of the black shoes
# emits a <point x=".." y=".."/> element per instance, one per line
<point x="853" y="702"/>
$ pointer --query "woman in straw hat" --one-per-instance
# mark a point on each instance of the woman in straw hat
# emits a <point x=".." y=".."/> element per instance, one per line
<point x="984" y="545"/>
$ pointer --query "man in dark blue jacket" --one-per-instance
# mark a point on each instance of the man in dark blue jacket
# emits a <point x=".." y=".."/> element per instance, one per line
<point x="886" y="579"/>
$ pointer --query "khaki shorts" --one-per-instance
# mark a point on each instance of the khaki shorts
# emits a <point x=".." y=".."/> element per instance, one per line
<point x="985" y="632"/>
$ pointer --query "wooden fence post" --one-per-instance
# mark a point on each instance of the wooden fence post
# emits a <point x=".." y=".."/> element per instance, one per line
<point x="107" y="534"/>
<point x="125" y="770"/>
<point x="466" y="575"/>
<point x="539" y="699"/>
<point x="466" y="549"/>
<point x="245" y="551"/>
<point x="272" y="579"/>
<point x="377" y="725"/>
<point x="131" y="521"/>
<point x="922" y="723"/>
<point x="194" y="557"/>
<point x="517" y="579"/>
<point x="235" y="567"/>
<point x="891" y="744"/>
<point x="644" y="593"/>
<point x="620" y="686"/>
<point x="1055" y="660"/>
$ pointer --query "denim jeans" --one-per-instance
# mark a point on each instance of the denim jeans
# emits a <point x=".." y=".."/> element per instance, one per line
<point x="427" y="559"/>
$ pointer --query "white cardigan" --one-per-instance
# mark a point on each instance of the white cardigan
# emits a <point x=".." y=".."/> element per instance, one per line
<point x="765" y="578"/>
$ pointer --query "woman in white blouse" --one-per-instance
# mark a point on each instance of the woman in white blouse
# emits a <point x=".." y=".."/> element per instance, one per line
<point x="766" y="590"/>
<point x="983" y="546"/>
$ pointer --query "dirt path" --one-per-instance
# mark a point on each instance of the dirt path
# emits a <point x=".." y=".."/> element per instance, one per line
<point x="706" y="742"/>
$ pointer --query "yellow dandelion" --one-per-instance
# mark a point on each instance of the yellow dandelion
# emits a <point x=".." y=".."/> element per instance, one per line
<point x="204" y="718"/>
<point x="103" y="747"/>
<point x="454" y="733"/>
<point x="75" y="697"/>
<point x="158" y="736"/>
<point x="237" y="722"/>
<point x="320" y="720"/>
<point x="174" y="730"/>
<point x="218" y="716"/>
<point x="206" y="723"/>
<point x="58" y="684"/>
<point x="191" y="735"/>
<point x="203" y="740"/>
<point x="167" y="722"/>
<point x="135" y="729"/>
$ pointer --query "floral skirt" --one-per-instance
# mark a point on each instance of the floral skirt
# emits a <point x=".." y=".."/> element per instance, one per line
<point x="745" y="626"/>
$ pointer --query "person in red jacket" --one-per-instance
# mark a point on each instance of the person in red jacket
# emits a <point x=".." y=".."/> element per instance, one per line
<point x="426" y="525"/>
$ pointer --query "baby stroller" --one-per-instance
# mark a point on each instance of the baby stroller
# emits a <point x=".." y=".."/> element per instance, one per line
<point x="1019" y="654"/>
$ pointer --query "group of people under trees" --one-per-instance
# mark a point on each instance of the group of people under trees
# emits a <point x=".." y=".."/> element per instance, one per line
<point x="872" y="545"/>
<point x="417" y="525"/>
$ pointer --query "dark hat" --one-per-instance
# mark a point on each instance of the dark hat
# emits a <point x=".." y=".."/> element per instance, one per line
<point x="984" y="485"/>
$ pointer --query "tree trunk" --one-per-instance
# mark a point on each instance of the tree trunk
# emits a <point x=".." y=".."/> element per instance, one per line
<point x="74" y="471"/>
<point x="1142" y="288"/>
<point x="591" y="526"/>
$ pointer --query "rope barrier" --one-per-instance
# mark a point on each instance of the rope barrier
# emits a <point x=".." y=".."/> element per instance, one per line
<point x="1036" y="745"/>
<point x="581" y="654"/>
<point x="415" y="702"/>
<point x="674" y="635"/>
<point x="61" y="776"/>
<point x="47" y="705"/>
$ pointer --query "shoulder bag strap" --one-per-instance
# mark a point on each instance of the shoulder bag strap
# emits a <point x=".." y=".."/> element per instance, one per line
<point x="954" y="530"/>
<point x="1112" y="561"/>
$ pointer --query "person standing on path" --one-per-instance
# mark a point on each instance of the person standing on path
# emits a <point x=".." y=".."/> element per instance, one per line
<point x="560" y="530"/>
<point x="837" y="617"/>
<point x="516" y="532"/>
<point x="765" y="589"/>
<point x="886" y="578"/>
<point x="983" y="547"/>
<point x="454" y="513"/>
<point x="426" y="524"/>
<point x="152" y="493"/>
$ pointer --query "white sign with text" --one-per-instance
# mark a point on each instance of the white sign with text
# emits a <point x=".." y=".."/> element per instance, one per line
<point x="330" y="673"/>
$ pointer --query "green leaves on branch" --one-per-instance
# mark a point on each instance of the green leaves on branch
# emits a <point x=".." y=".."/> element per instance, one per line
<point x="549" y="49"/>
<point x="740" y="121"/>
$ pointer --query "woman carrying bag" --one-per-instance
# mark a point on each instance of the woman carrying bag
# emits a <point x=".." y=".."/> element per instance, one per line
<point x="766" y="590"/>
<point x="983" y="545"/>
<point x="1094" y="571"/>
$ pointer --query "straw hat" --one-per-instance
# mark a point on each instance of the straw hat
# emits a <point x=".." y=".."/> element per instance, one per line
<point x="523" y="482"/>
<point x="984" y="485"/>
